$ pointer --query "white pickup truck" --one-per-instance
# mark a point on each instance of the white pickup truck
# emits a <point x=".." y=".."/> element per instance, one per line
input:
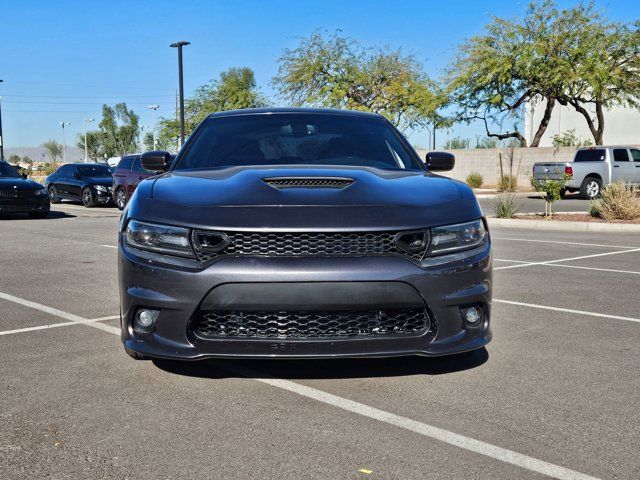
<point x="593" y="168"/>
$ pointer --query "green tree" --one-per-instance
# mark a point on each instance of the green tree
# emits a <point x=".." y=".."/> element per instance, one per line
<point x="14" y="159"/>
<point x="236" y="89"/>
<point x="147" y="141"/>
<point x="119" y="130"/>
<point x="95" y="144"/>
<point x="53" y="149"/>
<point x="456" y="143"/>
<point x="569" y="139"/>
<point x="337" y="72"/>
<point x="488" y="142"/>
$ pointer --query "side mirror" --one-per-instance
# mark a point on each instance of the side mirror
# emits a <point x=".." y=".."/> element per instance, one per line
<point x="24" y="175"/>
<point x="156" y="161"/>
<point x="440" y="161"/>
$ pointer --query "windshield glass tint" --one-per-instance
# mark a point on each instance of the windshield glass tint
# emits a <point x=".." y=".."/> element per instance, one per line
<point x="7" y="170"/>
<point x="296" y="139"/>
<point x="94" y="170"/>
<point x="595" y="155"/>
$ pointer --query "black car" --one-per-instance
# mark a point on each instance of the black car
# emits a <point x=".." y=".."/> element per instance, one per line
<point x="90" y="183"/>
<point x="17" y="194"/>
<point x="300" y="233"/>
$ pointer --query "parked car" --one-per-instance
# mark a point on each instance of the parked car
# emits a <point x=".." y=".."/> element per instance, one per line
<point x="17" y="194"/>
<point x="593" y="168"/>
<point x="126" y="177"/>
<point x="301" y="234"/>
<point x="89" y="183"/>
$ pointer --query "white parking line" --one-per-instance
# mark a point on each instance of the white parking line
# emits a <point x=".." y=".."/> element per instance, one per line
<point x="604" y="245"/>
<point x="611" y="270"/>
<point x="582" y="257"/>
<point x="109" y="246"/>
<point x="429" y="431"/>
<point x="467" y="443"/>
<point x="568" y="310"/>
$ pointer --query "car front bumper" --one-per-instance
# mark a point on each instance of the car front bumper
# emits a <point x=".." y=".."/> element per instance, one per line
<point x="442" y="285"/>
<point x="37" y="204"/>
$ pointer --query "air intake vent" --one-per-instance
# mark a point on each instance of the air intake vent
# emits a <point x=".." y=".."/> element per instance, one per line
<point x="308" y="182"/>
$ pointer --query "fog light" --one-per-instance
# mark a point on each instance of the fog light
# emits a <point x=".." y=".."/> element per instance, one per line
<point x="472" y="315"/>
<point x="146" y="318"/>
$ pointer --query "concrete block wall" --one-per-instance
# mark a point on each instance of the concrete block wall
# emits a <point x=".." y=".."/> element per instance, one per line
<point x="485" y="161"/>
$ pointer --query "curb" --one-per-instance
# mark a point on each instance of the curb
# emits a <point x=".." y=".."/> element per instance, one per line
<point x="567" y="226"/>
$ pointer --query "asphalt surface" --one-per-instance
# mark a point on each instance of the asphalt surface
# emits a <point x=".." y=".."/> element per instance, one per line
<point x="556" y="391"/>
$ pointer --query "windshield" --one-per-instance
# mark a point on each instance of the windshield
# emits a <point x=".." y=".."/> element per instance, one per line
<point x="7" y="170"/>
<point x="296" y="139"/>
<point x="94" y="170"/>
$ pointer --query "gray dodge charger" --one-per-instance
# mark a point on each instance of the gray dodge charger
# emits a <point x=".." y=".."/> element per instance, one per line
<point x="302" y="233"/>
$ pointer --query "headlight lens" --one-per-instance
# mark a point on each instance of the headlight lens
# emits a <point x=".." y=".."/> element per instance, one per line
<point x="41" y="192"/>
<point x="453" y="238"/>
<point x="101" y="188"/>
<point x="158" y="238"/>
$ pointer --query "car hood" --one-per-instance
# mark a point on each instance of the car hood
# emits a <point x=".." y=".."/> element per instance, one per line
<point x="19" y="183"/>
<point x="240" y="198"/>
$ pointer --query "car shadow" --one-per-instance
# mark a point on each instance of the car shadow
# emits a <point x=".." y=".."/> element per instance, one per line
<point x="326" y="369"/>
<point x="53" y="215"/>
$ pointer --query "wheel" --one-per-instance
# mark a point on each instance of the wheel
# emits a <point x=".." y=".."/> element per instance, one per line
<point x="38" y="214"/>
<point x="590" y="188"/>
<point x="121" y="198"/>
<point x="53" y="194"/>
<point x="134" y="355"/>
<point x="563" y="193"/>
<point x="87" y="198"/>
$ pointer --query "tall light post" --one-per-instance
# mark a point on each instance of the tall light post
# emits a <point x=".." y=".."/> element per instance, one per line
<point x="64" y="145"/>
<point x="179" y="46"/>
<point x="86" y="150"/>
<point x="154" y="108"/>
<point x="1" y="137"/>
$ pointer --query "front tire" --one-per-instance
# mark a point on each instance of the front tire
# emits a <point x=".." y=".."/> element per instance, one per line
<point x="121" y="199"/>
<point x="87" y="198"/>
<point x="53" y="194"/>
<point x="591" y="188"/>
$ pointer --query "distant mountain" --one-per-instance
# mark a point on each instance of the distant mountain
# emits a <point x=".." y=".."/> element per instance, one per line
<point x="39" y="154"/>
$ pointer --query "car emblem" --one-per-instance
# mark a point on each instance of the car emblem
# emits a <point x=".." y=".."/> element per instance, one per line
<point x="15" y="187"/>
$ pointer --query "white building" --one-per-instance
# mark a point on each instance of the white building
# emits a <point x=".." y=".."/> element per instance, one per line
<point x="621" y="125"/>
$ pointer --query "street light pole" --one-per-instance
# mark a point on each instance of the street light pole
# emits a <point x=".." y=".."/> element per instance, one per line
<point x="64" y="145"/>
<point x="86" y="150"/>
<point x="154" y="108"/>
<point x="1" y="137"/>
<point x="179" y="46"/>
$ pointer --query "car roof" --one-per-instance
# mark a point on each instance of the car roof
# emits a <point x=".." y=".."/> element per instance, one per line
<point x="272" y="110"/>
<point x="594" y="147"/>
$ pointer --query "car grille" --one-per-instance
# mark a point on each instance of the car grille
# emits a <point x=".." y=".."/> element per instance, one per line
<point x="17" y="197"/>
<point x="299" y="244"/>
<point x="320" y="324"/>
<point x="308" y="182"/>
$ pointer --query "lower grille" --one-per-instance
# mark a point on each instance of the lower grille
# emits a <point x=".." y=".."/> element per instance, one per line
<point x="14" y="196"/>
<point x="320" y="324"/>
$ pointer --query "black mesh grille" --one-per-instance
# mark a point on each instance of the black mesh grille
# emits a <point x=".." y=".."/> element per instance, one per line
<point x="11" y="194"/>
<point x="321" y="324"/>
<point x="314" y="244"/>
<point x="309" y="182"/>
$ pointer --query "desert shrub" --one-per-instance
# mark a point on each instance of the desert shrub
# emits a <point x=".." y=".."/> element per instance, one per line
<point x="552" y="189"/>
<point x="506" y="206"/>
<point x="507" y="183"/>
<point x="618" y="201"/>
<point x="474" y="180"/>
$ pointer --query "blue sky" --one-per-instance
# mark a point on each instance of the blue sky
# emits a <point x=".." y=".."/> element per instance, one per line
<point x="61" y="60"/>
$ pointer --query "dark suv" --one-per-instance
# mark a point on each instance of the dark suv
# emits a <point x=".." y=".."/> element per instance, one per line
<point x="89" y="183"/>
<point x="302" y="233"/>
<point x="126" y="177"/>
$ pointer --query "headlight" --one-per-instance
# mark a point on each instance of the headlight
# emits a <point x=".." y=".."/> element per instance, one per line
<point x="453" y="238"/>
<point x="101" y="188"/>
<point x="41" y="192"/>
<point x="158" y="238"/>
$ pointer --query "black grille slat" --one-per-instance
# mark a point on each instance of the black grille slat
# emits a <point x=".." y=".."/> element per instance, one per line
<point x="12" y="194"/>
<point x="321" y="324"/>
<point x="313" y="244"/>
<point x="308" y="182"/>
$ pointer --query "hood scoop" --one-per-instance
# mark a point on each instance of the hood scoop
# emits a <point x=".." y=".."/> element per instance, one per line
<point x="308" y="182"/>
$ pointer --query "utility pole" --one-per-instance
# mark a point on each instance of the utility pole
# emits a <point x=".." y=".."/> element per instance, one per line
<point x="64" y="145"/>
<point x="179" y="46"/>
<point x="154" y="108"/>
<point x="86" y="150"/>
<point x="1" y="137"/>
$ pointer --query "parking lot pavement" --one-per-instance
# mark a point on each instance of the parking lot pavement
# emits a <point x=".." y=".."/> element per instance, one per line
<point x="554" y="395"/>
